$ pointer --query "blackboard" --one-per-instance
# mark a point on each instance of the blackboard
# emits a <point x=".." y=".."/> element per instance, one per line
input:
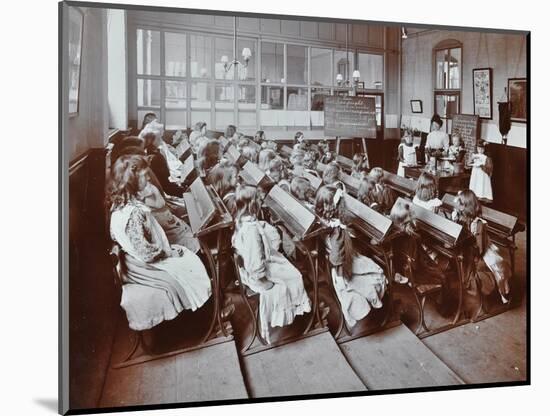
<point x="468" y="127"/>
<point x="350" y="116"/>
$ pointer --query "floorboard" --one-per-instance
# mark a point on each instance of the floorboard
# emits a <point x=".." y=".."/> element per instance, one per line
<point x="493" y="350"/>
<point x="311" y="365"/>
<point x="396" y="358"/>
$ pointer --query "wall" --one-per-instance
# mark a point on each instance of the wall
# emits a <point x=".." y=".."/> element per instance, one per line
<point x="505" y="53"/>
<point x="88" y="128"/>
<point x="117" y="69"/>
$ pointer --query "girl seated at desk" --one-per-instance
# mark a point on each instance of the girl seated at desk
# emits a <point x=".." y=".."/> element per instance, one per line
<point x="360" y="167"/>
<point x="265" y="156"/>
<point x="359" y="282"/>
<point x="482" y="170"/>
<point x="492" y="268"/>
<point x="331" y="176"/>
<point x="384" y="194"/>
<point x="426" y="193"/>
<point x="263" y="268"/>
<point x="456" y="149"/>
<point x="208" y="156"/>
<point x="367" y="193"/>
<point x="150" y="259"/>
<point x="197" y="136"/>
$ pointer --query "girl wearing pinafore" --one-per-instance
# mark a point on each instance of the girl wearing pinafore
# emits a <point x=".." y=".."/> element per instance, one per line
<point x="407" y="154"/>
<point x="264" y="269"/>
<point x="359" y="282"/>
<point x="492" y="267"/>
<point x="177" y="274"/>
<point x="482" y="169"/>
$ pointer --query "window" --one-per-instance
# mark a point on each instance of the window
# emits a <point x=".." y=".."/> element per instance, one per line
<point x="448" y="78"/>
<point x="148" y="93"/>
<point x="272" y="62"/>
<point x="296" y="64"/>
<point x="297" y="99"/>
<point x="200" y="56"/>
<point x="223" y="50"/>
<point x="371" y="67"/>
<point x="343" y="63"/>
<point x="148" y="52"/>
<point x="272" y="97"/>
<point x="175" y="55"/>
<point x="321" y="63"/>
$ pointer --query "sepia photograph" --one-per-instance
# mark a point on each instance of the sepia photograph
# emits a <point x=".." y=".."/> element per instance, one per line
<point x="269" y="207"/>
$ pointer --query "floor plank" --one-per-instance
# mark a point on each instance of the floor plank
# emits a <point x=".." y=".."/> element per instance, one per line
<point x="211" y="373"/>
<point x="493" y="350"/>
<point x="395" y="358"/>
<point x="309" y="366"/>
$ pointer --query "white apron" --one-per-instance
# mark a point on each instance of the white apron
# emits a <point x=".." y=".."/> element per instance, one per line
<point x="409" y="155"/>
<point x="480" y="181"/>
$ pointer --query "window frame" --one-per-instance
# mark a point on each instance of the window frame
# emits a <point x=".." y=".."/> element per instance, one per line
<point x="447" y="45"/>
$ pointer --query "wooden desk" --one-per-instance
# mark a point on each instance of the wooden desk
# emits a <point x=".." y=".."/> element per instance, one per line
<point x="447" y="182"/>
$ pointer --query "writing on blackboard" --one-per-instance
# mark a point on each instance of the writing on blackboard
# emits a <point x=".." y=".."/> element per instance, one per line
<point x="350" y="116"/>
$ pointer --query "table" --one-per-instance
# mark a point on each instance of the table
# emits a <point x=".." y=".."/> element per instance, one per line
<point x="447" y="182"/>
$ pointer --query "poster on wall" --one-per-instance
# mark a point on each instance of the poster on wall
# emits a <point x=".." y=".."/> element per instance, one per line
<point x="76" y="26"/>
<point x="483" y="92"/>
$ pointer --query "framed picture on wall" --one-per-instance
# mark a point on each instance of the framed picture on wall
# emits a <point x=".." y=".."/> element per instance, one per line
<point x="483" y="92"/>
<point x="416" y="106"/>
<point x="76" y="26"/>
<point x="517" y="97"/>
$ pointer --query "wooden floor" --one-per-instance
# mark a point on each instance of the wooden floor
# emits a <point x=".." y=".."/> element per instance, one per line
<point x="493" y="350"/>
<point x="488" y="351"/>
<point x="396" y="358"/>
<point x="311" y="365"/>
<point x="210" y="373"/>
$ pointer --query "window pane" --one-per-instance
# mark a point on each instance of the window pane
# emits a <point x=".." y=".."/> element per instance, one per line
<point x="455" y="63"/>
<point x="176" y="94"/>
<point x="247" y="119"/>
<point x="224" y="97"/>
<point x="371" y="67"/>
<point x="447" y="105"/>
<point x="441" y="69"/>
<point x="247" y="73"/>
<point x="223" y="118"/>
<point x="320" y="66"/>
<point x="175" y="54"/>
<point x="318" y="98"/>
<point x="176" y="119"/>
<point x="148" y="93"/>
<point x="148" y="52"/>
<point x="378" y="106"/>
<point x="200" y="56"/>
<point x="297" y="99"/>
<point x="247" y="97"/>
<point x="197" y="115"/>
<point x="340" y="67"/>
<point x="296" y="64"/>
<point x="272" y="62"/>
<point x="272" y="97"/>
<point x="223" y="52"/>
<point x="200" y="95"/>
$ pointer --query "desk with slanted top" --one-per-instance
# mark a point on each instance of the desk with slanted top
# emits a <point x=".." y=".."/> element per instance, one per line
<point x="450" y="240"/>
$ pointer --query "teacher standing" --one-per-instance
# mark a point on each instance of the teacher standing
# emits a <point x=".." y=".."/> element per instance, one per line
<point x="437" y="141"/>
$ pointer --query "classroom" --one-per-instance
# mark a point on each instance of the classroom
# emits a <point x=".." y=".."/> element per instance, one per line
<point x="270" y="206"/>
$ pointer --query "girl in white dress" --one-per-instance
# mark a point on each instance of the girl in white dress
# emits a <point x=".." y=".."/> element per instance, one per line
<point x="359" y="282"/>
<point x="407" y="153"/>
<point x="263" y="268"/>
<point x="482" y="169"/>
<point x="176" y="274"/>
<point x="492" y="267"/>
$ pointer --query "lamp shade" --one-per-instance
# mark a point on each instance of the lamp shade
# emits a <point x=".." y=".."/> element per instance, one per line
<point x="356" y="75"/>
<point x="247" y="54"/>
<point x="339" y="78"/>
<point x="224" y="59"/>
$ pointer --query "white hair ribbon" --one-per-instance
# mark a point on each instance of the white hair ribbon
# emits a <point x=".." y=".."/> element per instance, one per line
<point x="337" y="195"/>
